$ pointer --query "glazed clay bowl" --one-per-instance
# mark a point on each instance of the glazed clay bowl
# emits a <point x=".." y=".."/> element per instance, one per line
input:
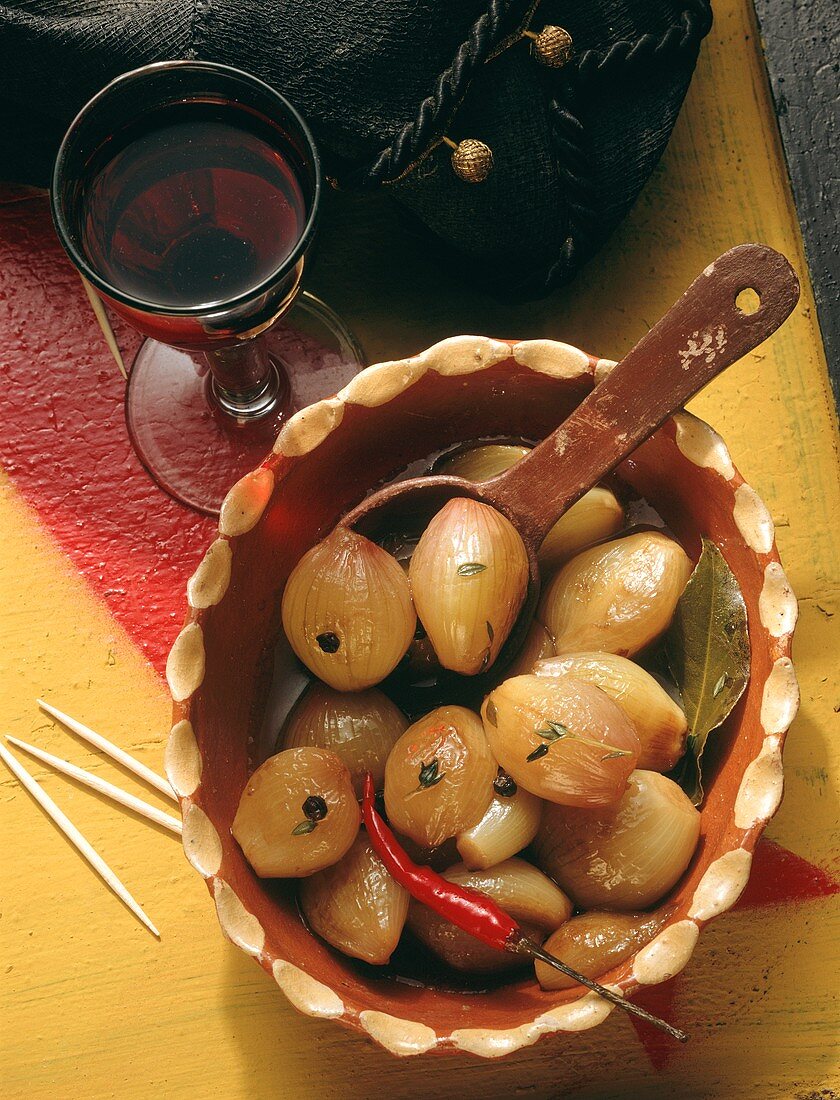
<point x="229" y="671"/>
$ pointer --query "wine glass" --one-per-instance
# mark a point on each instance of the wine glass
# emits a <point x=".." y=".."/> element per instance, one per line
<point x="187" y="194"/>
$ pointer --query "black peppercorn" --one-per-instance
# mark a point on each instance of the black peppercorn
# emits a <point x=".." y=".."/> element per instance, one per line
<point x="329" y="642"/>
<point x="314" y="808"/>
<point x="504" y="785"/>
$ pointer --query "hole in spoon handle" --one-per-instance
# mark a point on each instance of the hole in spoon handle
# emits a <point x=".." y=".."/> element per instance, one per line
<point x="739" y="300"/>
<point x="705" y="331"/>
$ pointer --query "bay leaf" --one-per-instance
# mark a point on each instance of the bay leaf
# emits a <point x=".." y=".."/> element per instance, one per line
<point x="708" y="650"/>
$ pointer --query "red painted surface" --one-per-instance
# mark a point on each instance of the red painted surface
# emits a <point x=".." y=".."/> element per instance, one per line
<point x="63" y="442"/>
<point x="63" y="439"/>
<point x="778" y="877"/>
<point x="661" y="1001"/>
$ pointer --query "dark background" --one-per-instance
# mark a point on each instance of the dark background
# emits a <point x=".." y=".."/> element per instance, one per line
<point x="801" y="40"/>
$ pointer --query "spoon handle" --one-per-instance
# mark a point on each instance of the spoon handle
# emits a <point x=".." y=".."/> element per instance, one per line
<point x="701" y="334"/>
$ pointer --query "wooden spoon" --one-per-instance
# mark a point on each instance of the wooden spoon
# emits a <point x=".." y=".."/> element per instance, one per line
<point x="705" y="331"/>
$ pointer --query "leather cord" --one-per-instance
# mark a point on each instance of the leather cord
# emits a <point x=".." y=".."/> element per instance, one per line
<point x="693" y="25"/>
<point x="570" y="147"/>
<point x="417" y="138"/>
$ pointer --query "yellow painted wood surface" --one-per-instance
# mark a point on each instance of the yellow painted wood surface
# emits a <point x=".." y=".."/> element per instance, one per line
<point x="92" y="1006"/>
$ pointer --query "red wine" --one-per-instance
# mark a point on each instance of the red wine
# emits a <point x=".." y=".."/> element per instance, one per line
<point x="197" y="204"/>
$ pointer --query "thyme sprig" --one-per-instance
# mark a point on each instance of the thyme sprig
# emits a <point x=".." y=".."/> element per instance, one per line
<point x="556" y="731"/>
<point x="429" y="776"/>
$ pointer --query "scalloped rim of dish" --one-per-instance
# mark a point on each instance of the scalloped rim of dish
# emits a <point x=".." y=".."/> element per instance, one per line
<point x="759" y="794"/>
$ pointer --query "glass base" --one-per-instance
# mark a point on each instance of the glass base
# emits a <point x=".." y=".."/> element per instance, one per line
<point x="192" y="448"/>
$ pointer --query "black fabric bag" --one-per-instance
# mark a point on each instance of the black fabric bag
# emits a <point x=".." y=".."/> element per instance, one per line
<point x="381" y="84"/>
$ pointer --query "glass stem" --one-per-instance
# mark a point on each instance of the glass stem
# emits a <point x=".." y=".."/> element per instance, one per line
<point x="247" y="382"/>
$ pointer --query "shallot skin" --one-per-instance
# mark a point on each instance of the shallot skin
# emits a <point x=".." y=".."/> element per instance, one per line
<point x="356" y="906"/>
<point x="627" y="857"/>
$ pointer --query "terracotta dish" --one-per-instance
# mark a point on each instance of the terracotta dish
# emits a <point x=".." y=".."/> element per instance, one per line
<point x="230" y="675"/>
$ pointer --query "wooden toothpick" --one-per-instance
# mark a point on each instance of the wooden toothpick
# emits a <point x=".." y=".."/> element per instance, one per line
<point x="105" y="325"/>
<point x="102" y="785"/>
<point x="74" y="836"/>
<point x="114" y="751"/>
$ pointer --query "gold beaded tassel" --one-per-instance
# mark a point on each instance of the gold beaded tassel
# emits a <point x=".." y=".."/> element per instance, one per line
<point x="472" y="160"/>
<point x="552" y="47"/>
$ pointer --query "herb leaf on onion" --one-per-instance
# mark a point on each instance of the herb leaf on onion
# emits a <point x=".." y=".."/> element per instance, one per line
<point x="470" y="568"/>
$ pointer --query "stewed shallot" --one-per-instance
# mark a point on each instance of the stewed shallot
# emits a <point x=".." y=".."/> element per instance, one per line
<point x="355" y="905"/>
<point x="629" y="855"/>
<point x="519" y="888"/>
<point x="616" y="597"/>
<point x="508" y="826"/>
<point x="439" y="776"/>
<point x="596" y="516"/>
<point x="468" y="579"/>
<point x="298" y="814"/>
<point x="347" y="611"/>
<point x="561" y="739"/>
<point x="659" y="721"/>
<point x="595" y="942"/>
<point x="360" y="727"/>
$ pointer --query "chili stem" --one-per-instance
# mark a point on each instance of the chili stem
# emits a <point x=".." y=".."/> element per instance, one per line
<point x="527" y="947"/>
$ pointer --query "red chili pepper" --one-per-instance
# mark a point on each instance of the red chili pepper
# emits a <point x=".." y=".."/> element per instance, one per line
<point x="473" y="912"/>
